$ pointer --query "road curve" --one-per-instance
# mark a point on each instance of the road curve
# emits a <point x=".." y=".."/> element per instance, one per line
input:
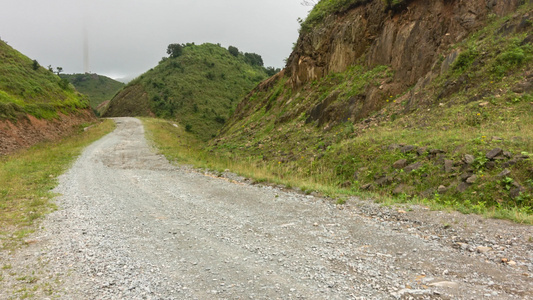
<point x="132" y="226"/>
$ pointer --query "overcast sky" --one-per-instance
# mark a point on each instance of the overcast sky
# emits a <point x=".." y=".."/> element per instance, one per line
<point x="127" y="37"/>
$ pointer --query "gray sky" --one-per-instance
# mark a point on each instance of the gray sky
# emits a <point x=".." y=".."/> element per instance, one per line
<point x="128" y="37"/>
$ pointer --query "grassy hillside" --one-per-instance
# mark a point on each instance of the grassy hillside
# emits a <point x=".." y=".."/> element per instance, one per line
<point x="465" y="140"/>
<point x="199" y="88"/>
<point x="28" y="88"/>
<point x="97" y="87"/>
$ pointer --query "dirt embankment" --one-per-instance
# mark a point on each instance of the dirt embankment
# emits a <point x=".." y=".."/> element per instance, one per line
<point x="29" y="130"/>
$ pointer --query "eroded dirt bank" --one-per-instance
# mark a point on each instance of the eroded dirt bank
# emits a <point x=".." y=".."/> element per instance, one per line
<point x="28" y="131"/>
<point x="132" y="226"/>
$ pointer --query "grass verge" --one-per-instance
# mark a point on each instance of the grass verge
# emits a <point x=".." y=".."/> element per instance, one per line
<point x="27" y="178"/>
<point x="181" y="147"/>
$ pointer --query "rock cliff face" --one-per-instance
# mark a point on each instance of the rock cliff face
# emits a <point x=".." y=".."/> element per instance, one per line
<point x="409" y="40"/>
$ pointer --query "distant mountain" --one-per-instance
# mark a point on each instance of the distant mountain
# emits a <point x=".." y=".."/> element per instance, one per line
<point x="99" y="88"/>
<point x="199" y="86"/>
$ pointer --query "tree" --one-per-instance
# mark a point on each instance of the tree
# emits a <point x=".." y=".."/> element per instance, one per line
<point x="271" y="71"/>
<point x="50" y="68"/>
<point x="59" y="70"/>
<point x="233" y="51"/>
<point x="175" y="50"/>
<point x="35" y="66"/>
<point x="253" y="59"/>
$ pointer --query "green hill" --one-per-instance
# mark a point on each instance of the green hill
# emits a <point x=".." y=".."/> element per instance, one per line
<point x="379" y="100"/>
<point x="28" y="88"/>
<point x="199" y="86"/>
<point x="99" y="88"/>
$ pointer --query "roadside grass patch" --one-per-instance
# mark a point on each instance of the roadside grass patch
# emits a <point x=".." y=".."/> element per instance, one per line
<point x="28" y="176"/>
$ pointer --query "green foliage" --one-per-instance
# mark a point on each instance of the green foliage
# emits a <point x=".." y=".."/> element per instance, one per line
<point x="233" y="51"/>
<point x="514" y="56"/>
<point x="271" y="71"/>
<point x="198" y="88"/>
<point x="25" y="88"/>
<point x="97" y="87"/>
<point x="35" y="65"/>
<point x="253" y="59"/>
<point x="465" y="59"/>
<point x="325" y="8"/>
<point x="175" y="50"/>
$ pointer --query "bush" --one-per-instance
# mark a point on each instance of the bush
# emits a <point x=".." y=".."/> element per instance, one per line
<point x="35" y="66"/>
<point x="465" y="59"/>
<point x="253" y="59"/>
<point x="511" y="58"/>
<point x="233" y="51"/>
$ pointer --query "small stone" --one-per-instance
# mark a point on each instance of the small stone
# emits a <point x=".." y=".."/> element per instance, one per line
<point x="493" y="153"/>
<point x="510" y="163"/>
<point x="511" y="263"/>
<point x="469" y="159"/>
<point x="407" y="149"/>
<point x="393" y="147"/>
<point x="442" y="189"/>
<point x="346" y="184"/>
<point x="466" y="175"/>
<point x="516" y="191"/>
<point x="483" y="104"/>
<point x="448" y="166"/>
<point x="401" y="189"/>
<point x="483" y="249"/>
<point x="462" y="187"/>
<point x="400" y="164"/>
<point x="421" y="151"/>
<point x="447" y="284"/>
<point x="504" y="173"/>
<point x="367" y="186"/>
<point x="507" y="154"/>
<point x="436" y="151"/>
<point x="471" y="179"/>
<point x="413" y="166"/>
<point x="384" y="181"/>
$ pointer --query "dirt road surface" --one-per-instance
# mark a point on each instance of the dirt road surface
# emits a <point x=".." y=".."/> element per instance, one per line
<point x="132" y="226"/>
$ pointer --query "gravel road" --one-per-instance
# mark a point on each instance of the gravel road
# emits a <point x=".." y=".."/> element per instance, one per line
<point x="132" y="226"/>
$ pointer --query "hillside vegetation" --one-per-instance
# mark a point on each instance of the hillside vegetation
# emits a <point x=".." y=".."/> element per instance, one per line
<point x="28" y="88"/>
<point x="97" y="87"/>
<point x="199" y="86"/>
<point x="460" y="137"/>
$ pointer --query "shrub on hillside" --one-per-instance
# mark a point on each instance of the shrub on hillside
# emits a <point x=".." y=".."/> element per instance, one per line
<point x="233" y="51"/>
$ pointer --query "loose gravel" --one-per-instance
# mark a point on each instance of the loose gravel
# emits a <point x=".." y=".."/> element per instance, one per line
<point x="130" y="225"/>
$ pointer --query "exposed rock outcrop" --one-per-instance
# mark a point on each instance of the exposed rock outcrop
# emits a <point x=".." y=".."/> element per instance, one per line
<point x="410" y="41"/>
